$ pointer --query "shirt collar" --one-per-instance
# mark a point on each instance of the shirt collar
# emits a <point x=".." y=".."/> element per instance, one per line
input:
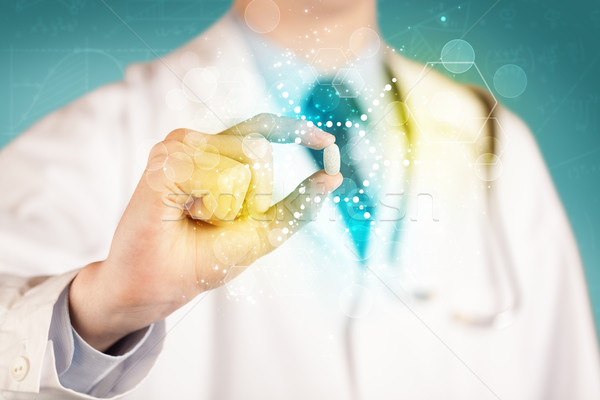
<point x="290" y="79"/>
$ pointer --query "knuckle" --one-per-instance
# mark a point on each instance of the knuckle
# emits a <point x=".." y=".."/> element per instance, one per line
<point x="196" y="140"/>
<point x="158" y="148"/>
<point x="156" y="157"/>
<point x="177" y="134"/>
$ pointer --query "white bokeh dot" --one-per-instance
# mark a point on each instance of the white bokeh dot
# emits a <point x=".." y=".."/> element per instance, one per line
<point x="364" y="42"/>
<point x="458" y="56"/>
<point x="262" y="16"/>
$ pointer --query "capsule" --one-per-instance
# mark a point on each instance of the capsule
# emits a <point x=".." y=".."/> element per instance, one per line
<point x="331" y="159"/>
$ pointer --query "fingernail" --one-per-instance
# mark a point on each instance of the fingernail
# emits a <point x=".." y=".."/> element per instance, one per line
<point x="329" y="140"/>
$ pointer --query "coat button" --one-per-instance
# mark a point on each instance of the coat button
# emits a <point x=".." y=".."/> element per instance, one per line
<point x="19" y="368"/>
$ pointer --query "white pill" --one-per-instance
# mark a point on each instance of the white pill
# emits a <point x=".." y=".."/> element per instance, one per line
<point x="331" y="159"/>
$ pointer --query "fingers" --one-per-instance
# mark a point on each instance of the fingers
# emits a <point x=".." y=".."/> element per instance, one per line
<point x="283" y="130"/>
<point x="256" y="152"/>
<point x="186" y="159"/>
<point x="253" y="150"/>
<point x="218" y="193"/>
<point x="299" y="208"/>
<point x="168" y="166"/>
<point x="206" y="185"/>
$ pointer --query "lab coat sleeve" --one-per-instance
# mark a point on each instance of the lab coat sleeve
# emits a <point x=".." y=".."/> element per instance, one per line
<point x="561" y="344"/>
<point x="84" y="369"/>
<point x="65" y="184"/>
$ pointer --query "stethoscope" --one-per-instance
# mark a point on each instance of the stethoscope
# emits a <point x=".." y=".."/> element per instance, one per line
<point x="506" y="307"/>
<point x="493" y="229"/>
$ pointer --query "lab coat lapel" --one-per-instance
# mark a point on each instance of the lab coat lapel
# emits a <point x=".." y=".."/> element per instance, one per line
<point x="442" y="248"/>
<point x="234" y="91"/>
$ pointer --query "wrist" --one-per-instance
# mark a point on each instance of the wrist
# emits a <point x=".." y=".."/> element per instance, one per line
<point x="103" y="310"/>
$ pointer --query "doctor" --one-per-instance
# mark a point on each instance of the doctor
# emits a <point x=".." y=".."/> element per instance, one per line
<point x="441" y="266"/>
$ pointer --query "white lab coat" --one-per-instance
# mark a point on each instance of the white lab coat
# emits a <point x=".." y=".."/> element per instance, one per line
<point x="282" y="330"/>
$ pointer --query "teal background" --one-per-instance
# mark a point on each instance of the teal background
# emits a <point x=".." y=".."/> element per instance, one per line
<point x="53" y="51"/>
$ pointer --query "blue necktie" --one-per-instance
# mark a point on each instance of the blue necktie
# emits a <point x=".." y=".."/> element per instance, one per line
<point x="338" y="116"/>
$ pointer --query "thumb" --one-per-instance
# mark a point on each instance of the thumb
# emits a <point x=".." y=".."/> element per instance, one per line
<point x="291" y="214"/>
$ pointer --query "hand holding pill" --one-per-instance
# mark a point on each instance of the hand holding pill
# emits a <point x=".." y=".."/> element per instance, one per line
<point x="200" y="214"/>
